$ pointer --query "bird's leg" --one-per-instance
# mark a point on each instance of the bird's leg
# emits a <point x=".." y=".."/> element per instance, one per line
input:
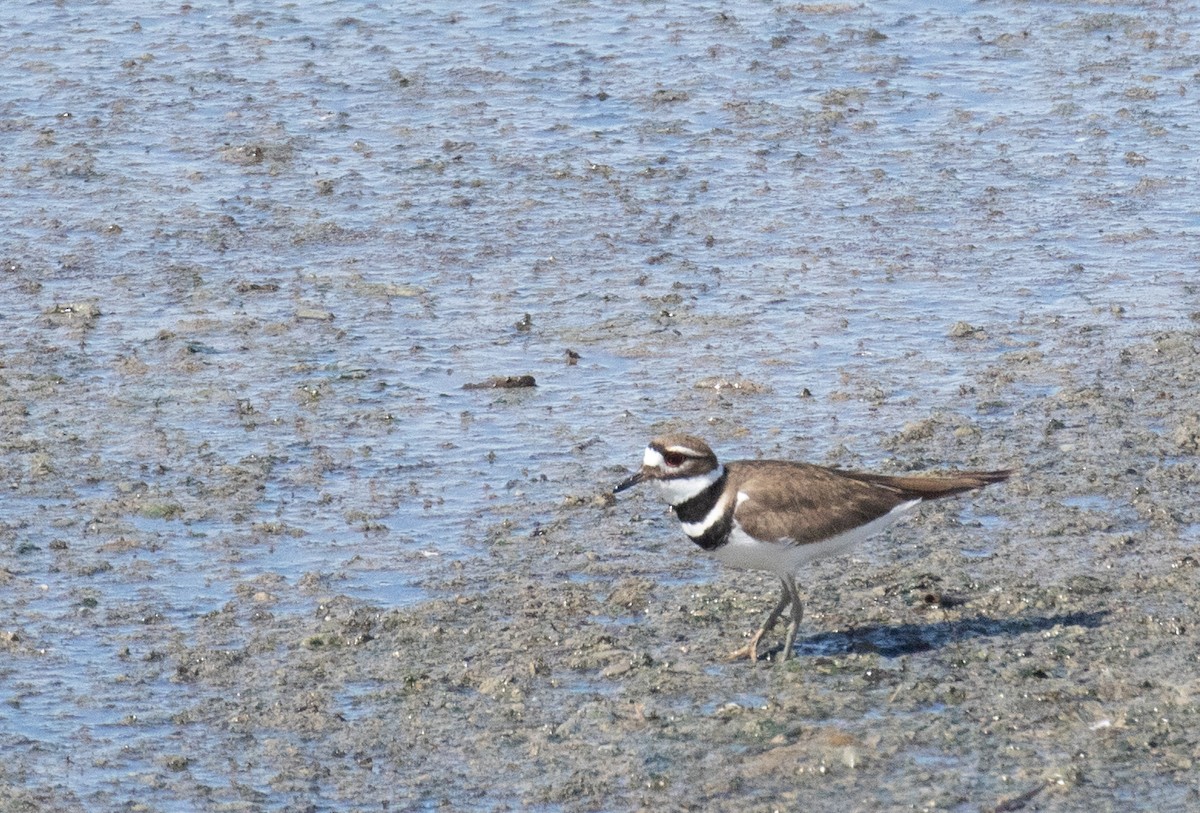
<point x="750" y="650"/>
<point x="793" y="593"/>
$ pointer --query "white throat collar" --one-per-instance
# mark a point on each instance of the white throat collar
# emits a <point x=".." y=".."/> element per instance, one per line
<point x="677" y="491"/>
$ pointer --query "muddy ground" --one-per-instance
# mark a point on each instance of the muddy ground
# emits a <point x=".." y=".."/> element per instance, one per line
<point x="1037" y="651"/>
<point x="265" y="546"/>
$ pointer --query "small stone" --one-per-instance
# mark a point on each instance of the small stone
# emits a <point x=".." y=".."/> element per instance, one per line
<point x="1187" y="434"/>
<point x="615" y="669"/>
<point x="81" y="314"/>
<point x="736" y="384"/>
<point x="966" y="330"/>
<point x="502" y="382"/>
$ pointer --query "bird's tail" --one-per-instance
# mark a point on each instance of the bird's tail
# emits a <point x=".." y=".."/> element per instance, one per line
<point x="934" y="486"/>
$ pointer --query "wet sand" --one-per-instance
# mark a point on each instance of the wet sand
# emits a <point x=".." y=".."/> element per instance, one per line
<point x="266" y="544"/>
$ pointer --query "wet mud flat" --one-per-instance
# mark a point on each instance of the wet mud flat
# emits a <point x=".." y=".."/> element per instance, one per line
<point x="325" y="334"/>
<point x="1034" y="649"/>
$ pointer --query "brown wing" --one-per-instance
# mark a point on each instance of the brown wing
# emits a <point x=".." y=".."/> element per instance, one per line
<point x="931" y="487"/>
<point x="807" y="503"/>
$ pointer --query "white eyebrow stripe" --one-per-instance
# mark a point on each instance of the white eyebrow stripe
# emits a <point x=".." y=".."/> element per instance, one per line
<point x="653" y="459"/>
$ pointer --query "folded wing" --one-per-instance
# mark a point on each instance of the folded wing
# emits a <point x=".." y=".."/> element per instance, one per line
<point x="775" y="504"/>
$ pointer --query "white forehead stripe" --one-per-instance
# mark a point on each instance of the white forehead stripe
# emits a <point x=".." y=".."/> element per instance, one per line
<point x="653" y="459"/>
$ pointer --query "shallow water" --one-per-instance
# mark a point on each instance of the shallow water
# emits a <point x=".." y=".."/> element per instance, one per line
<point x="254" y="251"/>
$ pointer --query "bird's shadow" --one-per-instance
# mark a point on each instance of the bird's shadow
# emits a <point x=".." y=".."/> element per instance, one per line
<point x="894" y="640"/>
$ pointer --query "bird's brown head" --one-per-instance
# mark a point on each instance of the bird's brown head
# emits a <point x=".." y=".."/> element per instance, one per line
<point x="674" y="458"/>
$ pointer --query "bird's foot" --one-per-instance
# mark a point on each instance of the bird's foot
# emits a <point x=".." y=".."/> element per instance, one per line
<point x="749" y="651"/>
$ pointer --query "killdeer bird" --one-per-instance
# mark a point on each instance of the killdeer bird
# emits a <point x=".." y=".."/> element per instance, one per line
<point x="777" y="516"/>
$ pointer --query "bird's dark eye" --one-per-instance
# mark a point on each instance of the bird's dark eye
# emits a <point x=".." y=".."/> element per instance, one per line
<point x="674" y="459"/>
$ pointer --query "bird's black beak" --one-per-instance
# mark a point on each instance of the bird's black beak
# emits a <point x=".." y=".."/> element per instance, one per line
<point x="631" y="481"/>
